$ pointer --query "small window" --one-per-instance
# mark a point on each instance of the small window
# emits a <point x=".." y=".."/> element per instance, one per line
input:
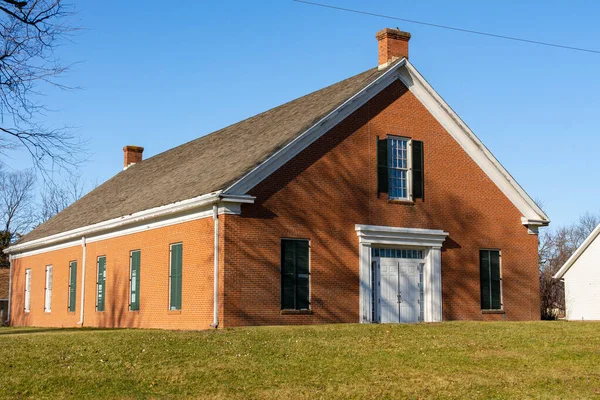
<point x="101" y="284"/>
<point x="27" y="290"/>
<point x="295" y="282"/>
<point x="134" y="280"/>
<point x="491" y="280"/>
<point x="398" y="168"/>
<point x="72" y="285"/>
<point x="175" y="275"/>
<point x="48" y="290"/>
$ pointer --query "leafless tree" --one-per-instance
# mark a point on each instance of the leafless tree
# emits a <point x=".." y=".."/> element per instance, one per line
<point x="57" y="197"/>
<point x="30" y="32"/>
<point x="554" y="250"/>
<point x="17" y="208"/>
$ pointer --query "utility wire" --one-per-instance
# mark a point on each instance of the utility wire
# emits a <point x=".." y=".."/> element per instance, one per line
<point x="448" y="27"/>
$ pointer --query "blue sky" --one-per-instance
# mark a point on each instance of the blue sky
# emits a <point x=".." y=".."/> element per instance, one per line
<point x="157" y="76"/>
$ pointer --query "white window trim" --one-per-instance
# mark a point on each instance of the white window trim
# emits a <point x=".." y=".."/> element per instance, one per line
<point x="131" y="276"/>
<point x="27" y="305"/>
<point x="98" y="282"/>
<point x="430" y="240"/>
<point x="48" y="290"/>
<point x="409" y="170"/>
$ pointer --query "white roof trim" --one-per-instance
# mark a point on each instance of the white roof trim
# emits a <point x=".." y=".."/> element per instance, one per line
<point x="580" y="250"/>
<point x="442" y="112"/>
<point x="471" y="144"/>
<point x="302" y="141"/>
<point x="169" y="214"/>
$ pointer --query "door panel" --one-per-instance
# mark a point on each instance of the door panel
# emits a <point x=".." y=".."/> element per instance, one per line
<point x="398" y="297"/>
<point x="390" y="311"/>
<point x="409" y="289"/>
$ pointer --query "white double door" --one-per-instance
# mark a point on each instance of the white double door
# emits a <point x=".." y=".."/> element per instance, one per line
<point x="399" y="292"/>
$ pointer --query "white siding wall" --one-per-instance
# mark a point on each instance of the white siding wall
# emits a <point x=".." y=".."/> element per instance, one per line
<point x="582" y="285"/>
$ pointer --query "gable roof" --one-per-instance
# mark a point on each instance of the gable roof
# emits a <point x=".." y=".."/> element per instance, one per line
<point x="236" y="158"/>
<point x="204" y="165"/>
<point x="580" y="250"/>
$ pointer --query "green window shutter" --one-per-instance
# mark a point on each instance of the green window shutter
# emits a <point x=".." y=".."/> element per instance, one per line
<point x="495" y="280"/>
<point x="295" y="278"/>
<point x="288" y="274"/>
<point x="101" y="284"/>
<point x="134" y="282"/>
<point x="484" y="260"/>
<point x="302" y="275"/>
<point x="382" y="165"/>
<point x="418" y="179"/>
<point x="176" y="269"/>
<point x="72" y="285"/>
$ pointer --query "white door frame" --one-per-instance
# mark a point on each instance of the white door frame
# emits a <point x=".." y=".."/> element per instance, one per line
<point x="430" y="240"/>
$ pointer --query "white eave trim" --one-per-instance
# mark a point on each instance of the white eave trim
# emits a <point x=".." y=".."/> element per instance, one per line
<point x="442" y="112"/>
<point x="580" y="250"/>
<point x="181" y="211"/>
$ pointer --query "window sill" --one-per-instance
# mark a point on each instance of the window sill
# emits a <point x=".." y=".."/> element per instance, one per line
<point x="172" y="312"/>
<point x="492" y="311"/>
<point x="403" y="202"/>
<point x="296" y="312"/>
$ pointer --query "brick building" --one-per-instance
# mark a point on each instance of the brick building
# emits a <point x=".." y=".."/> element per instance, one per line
<point x="366" y="201"/>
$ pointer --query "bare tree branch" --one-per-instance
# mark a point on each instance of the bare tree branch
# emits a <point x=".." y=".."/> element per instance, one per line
<point x="56" y="198"/>
<point x="17" y="214"/>
<point x="30" y="32"/>
<point x="555" y="248"/>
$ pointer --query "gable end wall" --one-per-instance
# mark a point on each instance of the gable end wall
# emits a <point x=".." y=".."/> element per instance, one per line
<point x="331" y="186"/>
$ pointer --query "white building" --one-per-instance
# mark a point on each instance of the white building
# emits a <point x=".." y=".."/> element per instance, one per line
<point x="581" y="274"/>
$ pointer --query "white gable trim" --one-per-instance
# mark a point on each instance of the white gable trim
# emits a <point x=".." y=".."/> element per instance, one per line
<point x="580" y="250"/>
<point x="292" y="149"/>
<point x="452" y="123"/>
<point x="533" y="216"/>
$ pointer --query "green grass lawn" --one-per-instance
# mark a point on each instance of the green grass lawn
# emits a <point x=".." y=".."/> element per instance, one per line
<point x="448" y="360"/>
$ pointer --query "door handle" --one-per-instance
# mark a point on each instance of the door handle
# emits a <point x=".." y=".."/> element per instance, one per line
<point x="399" y="298"/>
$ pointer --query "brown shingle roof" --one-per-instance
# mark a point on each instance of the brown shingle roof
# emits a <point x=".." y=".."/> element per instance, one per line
<point x="204" y="165"/>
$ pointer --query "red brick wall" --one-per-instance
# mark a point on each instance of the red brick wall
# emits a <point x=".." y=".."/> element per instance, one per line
<point x="331" y="186"/>
<point x="197" y="291"/>
<point x="320" y="195"/>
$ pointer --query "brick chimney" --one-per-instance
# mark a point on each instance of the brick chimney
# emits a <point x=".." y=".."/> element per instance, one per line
<point x="392" y="44"/>
<point x="132" y="155"/>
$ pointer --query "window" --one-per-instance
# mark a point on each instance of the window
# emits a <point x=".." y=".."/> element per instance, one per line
<point x="72" y="285"/>
<point x="175" y="276"/>
<point x="134" y="280"/>
<point x="295" y="282"/>
<point x="48" y="290"/>
<point x="101" y="284"/>
<point x="400" y="168"/>
<point x="27" y="289"/>
<point x="396" y="253"/>
<point x="491" y="288"/>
